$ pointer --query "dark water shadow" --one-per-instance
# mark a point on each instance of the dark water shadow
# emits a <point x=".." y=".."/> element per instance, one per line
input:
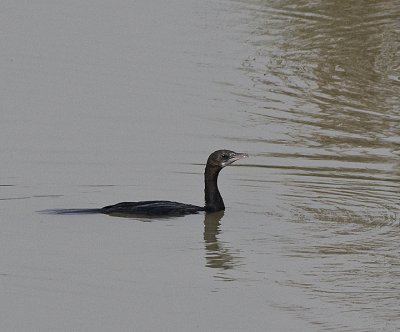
<point x="138" y="217"/>
<point x="70" y="211"/>
<point x="135" y="216"/>
<point x="217" y="254"/>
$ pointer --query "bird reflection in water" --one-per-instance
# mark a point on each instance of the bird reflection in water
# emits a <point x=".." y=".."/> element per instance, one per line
<point x="217" y="256"/>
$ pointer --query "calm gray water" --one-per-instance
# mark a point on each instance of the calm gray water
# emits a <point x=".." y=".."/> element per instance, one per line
<point x="105" y="102"/>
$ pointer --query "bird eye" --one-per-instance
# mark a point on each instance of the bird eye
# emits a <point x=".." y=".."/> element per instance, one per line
<point x="225" y="156"/>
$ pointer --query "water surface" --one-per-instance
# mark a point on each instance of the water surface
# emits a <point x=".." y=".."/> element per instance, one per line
<point x="105" y="103"/>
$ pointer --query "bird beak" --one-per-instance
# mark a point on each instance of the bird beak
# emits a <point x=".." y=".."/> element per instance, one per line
<point x="235" y="157"/>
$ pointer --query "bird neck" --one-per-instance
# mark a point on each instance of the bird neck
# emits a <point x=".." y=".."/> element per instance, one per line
<point x="212" y="196"/>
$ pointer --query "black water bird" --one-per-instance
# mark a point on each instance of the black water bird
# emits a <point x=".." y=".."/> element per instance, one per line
<point x="213" y="200"/>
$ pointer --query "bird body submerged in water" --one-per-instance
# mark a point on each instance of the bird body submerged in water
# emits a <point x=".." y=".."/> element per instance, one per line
<point x="213" y="200"/>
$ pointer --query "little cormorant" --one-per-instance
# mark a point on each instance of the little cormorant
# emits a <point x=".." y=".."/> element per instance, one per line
<point x="213" y="200"/>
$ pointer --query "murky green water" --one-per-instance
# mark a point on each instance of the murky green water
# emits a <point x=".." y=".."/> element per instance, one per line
<point x="104" y="103"/>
